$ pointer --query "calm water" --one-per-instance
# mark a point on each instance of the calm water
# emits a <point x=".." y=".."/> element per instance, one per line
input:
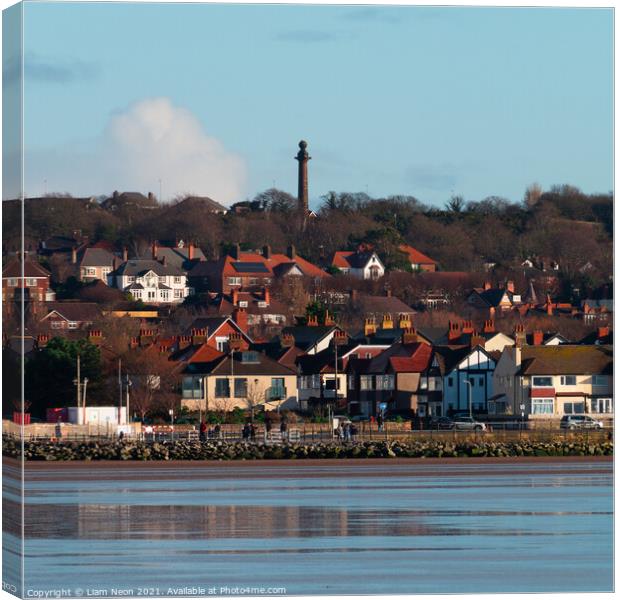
<point x="326" y="530"/>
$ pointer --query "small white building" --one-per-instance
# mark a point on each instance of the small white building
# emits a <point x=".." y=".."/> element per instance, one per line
<point x="151" y="281"/>
<point x="97" y="415"/>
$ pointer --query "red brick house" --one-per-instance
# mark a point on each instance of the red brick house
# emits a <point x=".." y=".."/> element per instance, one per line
<point x="418" y="261"/>
<point x="250" y="270"/>
<point x="33" y="284"/>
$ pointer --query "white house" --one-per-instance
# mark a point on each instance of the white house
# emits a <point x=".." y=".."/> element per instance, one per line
<point x="360" y="264"/>
<point x="151" y="281"/>
<point x="467" y="375"/>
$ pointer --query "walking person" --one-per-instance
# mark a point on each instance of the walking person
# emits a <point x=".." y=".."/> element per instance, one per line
<point x="203" y="431"/>
<point x="245" y="432"/>
<point x="267" y="426"/>
<point x="380" y="421"/>
<point x="58" y="430"/>
<point x="217" y="430"/>
<point x="284" y="429"/>
<point x="347" y="431"/>
<point x="252" y="432"/>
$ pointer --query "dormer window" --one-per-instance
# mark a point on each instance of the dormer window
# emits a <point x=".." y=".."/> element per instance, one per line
<point x="243" y="303"/>
<point x="262" y="304"/>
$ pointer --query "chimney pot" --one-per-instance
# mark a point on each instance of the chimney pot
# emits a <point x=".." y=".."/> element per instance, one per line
<point x="291" y="252"/>
<point x="267" y="252"/>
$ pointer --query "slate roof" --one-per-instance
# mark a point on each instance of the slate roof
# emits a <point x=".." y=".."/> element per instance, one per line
<point x="96" y="257"/>
<point x="307" y="336"/>
<point x="382" y="305"/>
<point x="74" y="311"/>
<point x="177" y="257"/>
<point x="566" y="360"/>
<point x="263" y="366"/>
<point x="138" y="266"/>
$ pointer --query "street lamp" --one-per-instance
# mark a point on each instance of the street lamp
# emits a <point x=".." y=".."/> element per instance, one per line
<point x="469" y="393"/>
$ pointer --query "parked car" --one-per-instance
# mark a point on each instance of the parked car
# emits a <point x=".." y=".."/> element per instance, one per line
<point x="580" y="422"/>
<point x="468" y="424"/>
<point x="441" y="423"/>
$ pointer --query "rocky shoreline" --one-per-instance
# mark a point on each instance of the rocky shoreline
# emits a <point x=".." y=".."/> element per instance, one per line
<point x="234" y="451"/>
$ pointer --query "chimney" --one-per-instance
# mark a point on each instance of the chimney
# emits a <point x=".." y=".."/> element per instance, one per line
<point x="235" y="341"/>
<point x="454" y="332"/>
<point x="240" y="316"/>
<point x="353" y="295"/>
<point x="115" y="263"/>
<point x="199" y="336"/>
<point x="287" y="341"/>
<point x="154" y="250"/>
<point x="267" y="296"/>
<point x="489" y="326"/>
<point x="404" y="322"/>
<point x="388" y="292"/>
<point x="184" y="341"/>
<point x="370" y="327"/>
<point x="146" y="336"/>
<point x="410" y="336"/>
<point x="519" y="336"/>
<point x="235" y="296"/>
<point x="267" y="252"/>
<point x="150" y="196"/>
<point x="467" y="327"/>
<point x="125" y="254"/>
<point x="476" y="340"/>
<point x="163" y="260"/>
<point x="328" y="319"/>
<point x="517" y="355"/>
<point x="387" y="322"/>
<point x="95" y="337"/>
<point x="236" y="251"/>
<point x="510" y="286"/>
<point x="134" y="342"/>
<point x="42" y="340"/>
<point x="486" y="286"/>
<point x="537" y="337"/>
<point x="115" y="194"/>
<point x="73" y="256"/>
<point x="549" y="307"/>
<point x="302" y="177"/>
<point x="312" y="321"/>
<point x="340" y="338"/>
<point x="190" y="251"/>
<point x="602" y="332"/>
<point x="291" y="252"/>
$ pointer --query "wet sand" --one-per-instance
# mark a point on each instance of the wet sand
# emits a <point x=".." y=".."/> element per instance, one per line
<point x="269" y="469"/>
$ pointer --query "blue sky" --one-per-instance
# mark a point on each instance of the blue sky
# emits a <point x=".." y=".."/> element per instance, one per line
<point x="212" y="99"/>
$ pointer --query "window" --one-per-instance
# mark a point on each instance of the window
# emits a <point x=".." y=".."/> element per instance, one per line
<point x="599" y="380"/>
<point x="165" y="295"/>
<point x="192" y="387"/>
<point x="366" y="382"/>
<point x="480" y="381"/>
<point x="368" y="354"/>
<point x="56" y="324"/>
<point x="177" y="279"/>
<point x="351" y="379"/>
<point x="542" y="406"/>
<point x="385" y="382"/>
<point x="234" y="281"/>
<point x="161" y="280"/>
<point x="262" y="304"/>
<point x="542" y="381"/>
<point x="221" y="343"/>
<point x="72" y="325"/>
<point x="222" y="388"/>
<point x="568" y="380"/>
<point x="450" y="382"/>
<point x="277" y="387"/>
<point x="178" y="294"/>
<point x="573" y="408"/>
<point x="241" y="388"/>
<point x="423" y="383"/>
<point x="602" y="405"/>
<point x="253" y="281"/>
<point x="12" y="282"/>
<point x="130" y="278"/>
<point x="151" y="295"/>
<point x="243" y="303"/>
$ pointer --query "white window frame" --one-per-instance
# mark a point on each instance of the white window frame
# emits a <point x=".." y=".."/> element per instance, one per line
<point x="564" y="380"/>
<point x="542" y="406"/>
<point x="542" y="385"/>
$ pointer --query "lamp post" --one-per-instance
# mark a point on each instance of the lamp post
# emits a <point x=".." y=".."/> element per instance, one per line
<point x="469" y="393"/>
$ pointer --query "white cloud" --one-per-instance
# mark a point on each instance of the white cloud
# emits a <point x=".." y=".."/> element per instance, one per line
<point x="150" y="140"/>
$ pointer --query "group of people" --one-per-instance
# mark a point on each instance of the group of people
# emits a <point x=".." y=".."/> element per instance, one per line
<point x="204" y="431"/>
<point x="346" y="431"/>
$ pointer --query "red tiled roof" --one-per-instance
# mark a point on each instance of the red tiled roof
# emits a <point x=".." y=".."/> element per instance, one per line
<point x="340" y="259"/>
<point x="31" y="269"/>
<point x="306" y="267"/>
<point x="205" y="354"/>
<point x="415" y="363"/>
<point x="415" y="256"/>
